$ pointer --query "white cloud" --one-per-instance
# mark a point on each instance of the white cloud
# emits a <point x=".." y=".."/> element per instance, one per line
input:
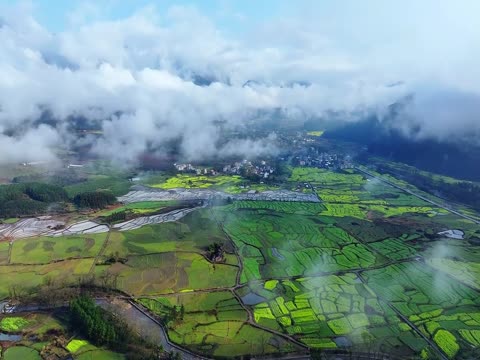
<point x="143" y="66"/>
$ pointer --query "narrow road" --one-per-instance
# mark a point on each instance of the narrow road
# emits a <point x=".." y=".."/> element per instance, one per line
<point x="432" y="344"/>
<point x="10" y="249"/>
<point x="238" y="284"/>
<point x="314" y="191"/>
<point x="453" y="211"/>
<point x="164" y="340"/>
<point x="135" y="316"/>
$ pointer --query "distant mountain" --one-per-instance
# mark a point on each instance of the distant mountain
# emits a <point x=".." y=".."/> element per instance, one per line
<point x="289" y="84"/>
<point x="452" y="159"/>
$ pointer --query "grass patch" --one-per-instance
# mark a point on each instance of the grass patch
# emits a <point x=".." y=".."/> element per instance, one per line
<point x="316" y="133"/>
<point x="45" y="249"/>
<point x="13" y="324"/>
<point x="10" y="221"/>
<point x="76" y="344"/>
<point x="447" y="342"/>
<point x="143" y="207"/>
<point x="21" y="352"/>
<point x="117" y="185"/>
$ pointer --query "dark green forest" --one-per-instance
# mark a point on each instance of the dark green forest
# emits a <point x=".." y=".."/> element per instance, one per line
<point x="94" y="199"/>
<point x="30" y="199"/>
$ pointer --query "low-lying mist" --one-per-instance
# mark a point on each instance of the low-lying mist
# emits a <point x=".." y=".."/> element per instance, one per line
<point x="155" y="76"/>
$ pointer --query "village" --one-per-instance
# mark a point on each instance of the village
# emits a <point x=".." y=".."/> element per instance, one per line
<point x="261" y="169"/>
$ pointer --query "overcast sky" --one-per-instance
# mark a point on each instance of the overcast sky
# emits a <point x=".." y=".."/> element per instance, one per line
<point x="139" y="58"/>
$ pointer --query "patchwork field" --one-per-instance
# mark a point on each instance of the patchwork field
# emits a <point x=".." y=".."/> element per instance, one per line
<point x="27" y="278"/>
<point x="169" y="272"/>
<point x="214" y="323"/>
<point x="198" y="181"/>
<point x="193" y="233"/>
<point x="287" y="244"/>
<point x="365" y="269"/>
<point x="442" y="308"/>
<point x="333" y="312"/>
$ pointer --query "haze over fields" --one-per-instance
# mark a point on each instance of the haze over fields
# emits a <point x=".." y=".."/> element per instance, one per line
<point x="145" y="74"/>
<point x="226" y="179"/>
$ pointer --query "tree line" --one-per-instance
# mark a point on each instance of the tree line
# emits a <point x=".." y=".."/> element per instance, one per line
<point x="94" y="199"/>
<point x="102" y="328"/>
<point x="33" y="199"/>
<point x="463" y="192"/>
<point x="29" y="199"/>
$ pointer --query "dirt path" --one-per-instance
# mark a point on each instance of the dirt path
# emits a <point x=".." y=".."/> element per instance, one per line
<point x="100" y="253"/>
<point x="10" y="249"/>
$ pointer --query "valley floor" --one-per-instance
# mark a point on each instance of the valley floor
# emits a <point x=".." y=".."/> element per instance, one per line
<point x="357" y="264"/>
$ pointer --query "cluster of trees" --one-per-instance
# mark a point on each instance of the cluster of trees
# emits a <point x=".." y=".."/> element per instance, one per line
<point x="61" y="178"/>
<point x="45" y="192"/>
<point x="94" y="199"/>
<point x="215" y="252"/>
<point x="115" y="217"/>
<point x="176" y="313"/>
<point x="103" y="328"/>
<point x="29" y="198"/>
<point x="462" y="192"/>
<point x="94" y="323"/>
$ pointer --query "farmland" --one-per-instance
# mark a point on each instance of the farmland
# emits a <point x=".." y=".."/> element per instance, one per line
<point x="214" y="323"/>
<point x="363" y="269"/>
<point x="41" y="250"/>
<point x="140" y="208"/>
<point x="39" y="335"/>
<point x="199" y="182"/>
<point x="117" y="185"/>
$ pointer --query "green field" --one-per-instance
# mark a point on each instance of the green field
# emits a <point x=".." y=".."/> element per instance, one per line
<point x="21" y="352"/>
<point x="117" y="185"/>
<point x="42" y="250"/>
<point x="13" y="324"/>
<point x="169" y="272"/>
<point x="43" y="336"/>
<point x="4" y="249"/>
<point x="364" y="270"/>
<point x="192" y="233"/>
<point x="290" y="243"/>
<point x="29" y="277"/>
<point x="439" y="306"/>
<point x="214" y="324"/>
<point x="141" y="208"/>
<point x="319" y="310"/>
<point x="198" y="181"/>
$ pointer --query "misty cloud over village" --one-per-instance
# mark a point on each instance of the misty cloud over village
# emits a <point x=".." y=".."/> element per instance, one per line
<point x="148" y="78"/>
